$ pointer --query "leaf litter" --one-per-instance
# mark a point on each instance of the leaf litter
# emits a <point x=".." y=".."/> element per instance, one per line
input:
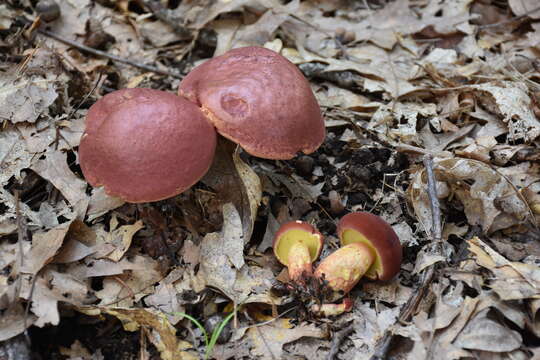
<point x="396" y="80"/>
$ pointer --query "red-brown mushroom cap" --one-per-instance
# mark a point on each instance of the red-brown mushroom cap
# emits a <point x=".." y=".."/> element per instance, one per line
<point x="145" y="145"/>
<point x="373" y="231"/>
<point x="293" y="232"/>
<point x="258" y="99"/>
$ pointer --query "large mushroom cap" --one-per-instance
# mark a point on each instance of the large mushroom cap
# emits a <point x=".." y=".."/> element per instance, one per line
<point x="294" y="232"/>
<point x="145" y="145"/>
<point x="378" y="235"/>
<point x="258" y="99"/>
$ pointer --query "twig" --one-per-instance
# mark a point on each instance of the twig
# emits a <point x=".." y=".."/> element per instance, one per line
<point x="107" y="55"/>
<point x="383" y="346"/>
<point x="337" y="339"/>
<point x="436" y="230"/>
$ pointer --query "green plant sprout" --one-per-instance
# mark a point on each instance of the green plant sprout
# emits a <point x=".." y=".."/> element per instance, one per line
<point x="209" y="343"/>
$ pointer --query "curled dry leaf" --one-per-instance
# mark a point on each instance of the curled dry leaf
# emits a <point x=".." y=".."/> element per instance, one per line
<point x="25" y="99"/>
<point x="479" y="188"/>
<point x="44" y="248"/>
<point x="235" y="182"/>
<point x="161" y="333"/>
<point x="512" y="101"/>
<point x="54" y="167"/>
<point x="512" y="280"/>
<point x="268" y="340"/>
<point x="222" y="264"/>
<point x="482" y="333"/>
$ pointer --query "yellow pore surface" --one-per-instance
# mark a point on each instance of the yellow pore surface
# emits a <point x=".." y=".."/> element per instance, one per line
<point x="294" y="236"/>
<point x="350" y="236"/>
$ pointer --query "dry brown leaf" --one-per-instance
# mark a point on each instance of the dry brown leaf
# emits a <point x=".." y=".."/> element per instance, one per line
<point x="482" y="333"/>
<point x="121" y="237"/>
<point x="370" y="327"/>
<point x="44" y="247"/>
<point x="512" y="280"/>
<point x="54" y="167"/>
<point x="126" y="289"/>
<point x="222" y="264"/>
<point x="12" y="322"/>
<point x="512" y="101"/>
<point x="268" y="340"/>
<point x="487" y="188"/>
<point x="162" y="333"/>
<point x="235" y="182"/>
<point x="100" y="203"/>
<point x="525" y="7"/>
<point x="25" y="99"/>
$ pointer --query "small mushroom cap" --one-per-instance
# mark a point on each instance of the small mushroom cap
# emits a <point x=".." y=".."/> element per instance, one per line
<point x="145" y="145"/>
<point x="373" y="231"/>
<point x="258" y="99"/>
<point x="293" y="232"/>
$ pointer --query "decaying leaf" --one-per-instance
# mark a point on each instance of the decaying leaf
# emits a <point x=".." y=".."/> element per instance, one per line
<point x="235" y="182"/>
<point x="512" y="280"/>
<point x="218" y="254"/>
<point x="513" y="104"/>
<point x="161" y="332"/>
<point x="480" y="189"/>
<point x="268" y="340"/>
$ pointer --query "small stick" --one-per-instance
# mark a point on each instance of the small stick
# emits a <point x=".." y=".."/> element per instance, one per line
<point x="107" y="55"/>
<point x="383" y="346"/>
<point x="337" y="339"/>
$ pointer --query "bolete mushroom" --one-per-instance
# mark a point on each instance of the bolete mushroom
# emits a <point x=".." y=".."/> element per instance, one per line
<point x="258" y="99"/>
<point x="145" y="145"/>
<point x="370" y="248"/>
<point x="379" y="238"/>
<point x="296" y="245"/>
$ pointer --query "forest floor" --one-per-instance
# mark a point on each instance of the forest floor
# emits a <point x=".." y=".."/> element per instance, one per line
<point x="407" y="88"/>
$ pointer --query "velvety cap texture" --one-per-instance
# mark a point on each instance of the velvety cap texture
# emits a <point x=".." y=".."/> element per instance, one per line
<point x="145" y="145"/>
<point x="258" y="99"/>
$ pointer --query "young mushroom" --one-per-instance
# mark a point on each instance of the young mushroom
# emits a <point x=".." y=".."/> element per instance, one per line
<point x="145" y="145"/>
<point x="370" y="248"/>
<point x="258" y="99"/>
<point x="379" y="237"/>
<point x="296" y="245"/>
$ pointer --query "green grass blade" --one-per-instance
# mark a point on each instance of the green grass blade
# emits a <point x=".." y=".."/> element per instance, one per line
<point x="215" y="334"/>
<point x="198" y="324"/>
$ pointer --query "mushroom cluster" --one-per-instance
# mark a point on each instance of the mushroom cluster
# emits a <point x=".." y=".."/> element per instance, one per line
<point x="146" y="145"/>
<point x="369" y="247"/>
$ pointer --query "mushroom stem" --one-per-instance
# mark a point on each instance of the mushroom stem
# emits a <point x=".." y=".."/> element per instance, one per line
<point x="299" y="262"/>
<point x="325" y="310"/>
<point x="345" y="267"/>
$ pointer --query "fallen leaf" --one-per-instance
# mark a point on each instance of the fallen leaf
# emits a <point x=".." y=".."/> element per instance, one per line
<point x="482" y="333"/>
<point x="162" y="333"/>
<point x="44" y="247"/>
<point x="268" y="340"/>
<point x="54" y="167"/>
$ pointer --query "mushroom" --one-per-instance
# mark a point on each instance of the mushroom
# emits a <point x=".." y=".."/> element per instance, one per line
<point x="145" y="145"/>
<point x="296" y="245"/>
<point x="258" y="99"/>
<point x="370" y="248"/>
<point x="379" y="238"/>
